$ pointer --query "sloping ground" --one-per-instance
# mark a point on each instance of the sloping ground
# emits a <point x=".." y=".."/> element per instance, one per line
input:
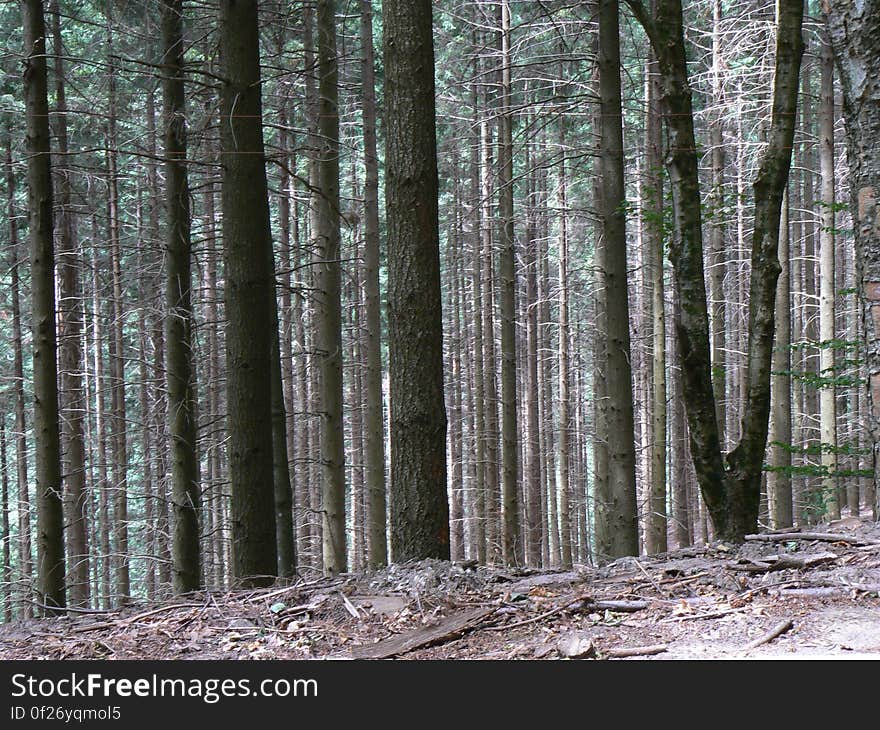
<point x="798" y="595"/>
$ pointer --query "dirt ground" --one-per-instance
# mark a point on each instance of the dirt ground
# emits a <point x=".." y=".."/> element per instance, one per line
<point x="799" y="595"/>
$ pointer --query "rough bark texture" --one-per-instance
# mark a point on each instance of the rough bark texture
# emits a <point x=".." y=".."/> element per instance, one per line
<point x="248" y="291"/>
<point x="656" y="534"/>
<point x="329" y="293"/>
<point x="616" y="513"/>
<point x="779" y="479"/>
<point x="854" y="29"/>
<point x="50" y="517"/>
<point x="374" y="422"/>
<point x="827" y="286"/>
<point x="731" y="486"/>
<point x="179" y="369"/>
<point x="512" y="539"/>
<point x="419" y="508"/>
<point x="70" y="353"/>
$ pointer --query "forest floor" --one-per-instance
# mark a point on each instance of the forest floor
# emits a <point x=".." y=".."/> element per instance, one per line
<point x="782" y="595"/>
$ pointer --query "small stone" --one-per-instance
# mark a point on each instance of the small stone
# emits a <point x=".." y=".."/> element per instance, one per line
<point x="576" y="645"/>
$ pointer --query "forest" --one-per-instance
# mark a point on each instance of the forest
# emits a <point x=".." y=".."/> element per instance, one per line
<point x="298" y="290"/>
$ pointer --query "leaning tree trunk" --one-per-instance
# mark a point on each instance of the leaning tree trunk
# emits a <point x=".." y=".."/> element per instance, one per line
<point x="180" y="373"/>
<point x="854" y="29"/>
<point x="419" y="507"/>
<point x="50" y="515"/>
<point x="247" y="248"/>
<point x="730" y="486"/>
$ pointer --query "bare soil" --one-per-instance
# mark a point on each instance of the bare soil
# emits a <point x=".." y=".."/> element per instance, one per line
<point x="805" y="595"/>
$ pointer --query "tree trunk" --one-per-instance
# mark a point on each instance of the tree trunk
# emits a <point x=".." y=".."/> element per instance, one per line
<point x="374" y="422"/>
<point x="656" y="537"/>
<point x="616" y="513"/>
<point x="419" y="507"/>
<point x="854" y="29"/>
<point x="512" y="546"/>
<point x="179" y="369"/>
<point x="25" y="559"/>
<point x="827" y="346"/>
<point x="779" y="478"/>
<point x="248" y="296"/>
<point x="70" y="353"/>
<point x="329" y="292"/>
<point x="731" y="486"/>
<point x="47" y="448"/>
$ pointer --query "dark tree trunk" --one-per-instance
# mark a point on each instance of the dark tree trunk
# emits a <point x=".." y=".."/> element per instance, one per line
<point x="50" y="514"/>
<point x="419" y="507"/>
<point x="329" y="294"/>
<point x="730" y="486"/>
<point x="248" y="296"/>
<point x="616" y="514"/>
<point x="180" y="372"/>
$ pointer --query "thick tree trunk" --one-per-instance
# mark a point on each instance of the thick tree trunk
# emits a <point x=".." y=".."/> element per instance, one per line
<point x="854" y="29"/>
<point x="419" y="507"/>
<point x="616" y="513"/>
<point x="248" y="295"/>
<point x="47" y="448"/>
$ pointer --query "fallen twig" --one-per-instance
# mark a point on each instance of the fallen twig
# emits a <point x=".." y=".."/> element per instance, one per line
<point x="624" y="652"/>
<point x="774" y="633"/>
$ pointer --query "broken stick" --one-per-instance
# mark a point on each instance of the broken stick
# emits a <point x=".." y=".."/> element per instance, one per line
<point x="774" y="633"/>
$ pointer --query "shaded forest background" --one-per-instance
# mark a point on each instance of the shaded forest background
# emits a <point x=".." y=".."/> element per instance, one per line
<point x="518" y="144"/>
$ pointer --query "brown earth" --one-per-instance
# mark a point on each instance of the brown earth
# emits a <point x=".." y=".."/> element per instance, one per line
<point x="805" y="595"/>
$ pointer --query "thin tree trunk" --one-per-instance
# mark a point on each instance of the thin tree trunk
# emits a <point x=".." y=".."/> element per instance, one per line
<point x="512" y="547"/>
<point x="779" y="478"/>
<point x="656" y="537"/>
<point x="70" y="352"/>
<point x="25" y="560"/>
<point x="329" y="293"/>
<point x="374" y="431"/>
<point x="827" y="216"/>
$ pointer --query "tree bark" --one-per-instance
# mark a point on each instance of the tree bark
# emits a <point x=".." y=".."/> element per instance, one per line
<point x="374" y="422"/>
<point x="47" y="448"/>
<point x="419" y="507"/>
<point x="248" y="296"/>
<point x="854" y="29"/>
<point x="730" y="486"/>
<point x="329" y="293"/>
<point x="179" y="369"/>
<point x="827" y="288"/>
<point x="616" y="512"/>
<point x="512" y="546"/>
